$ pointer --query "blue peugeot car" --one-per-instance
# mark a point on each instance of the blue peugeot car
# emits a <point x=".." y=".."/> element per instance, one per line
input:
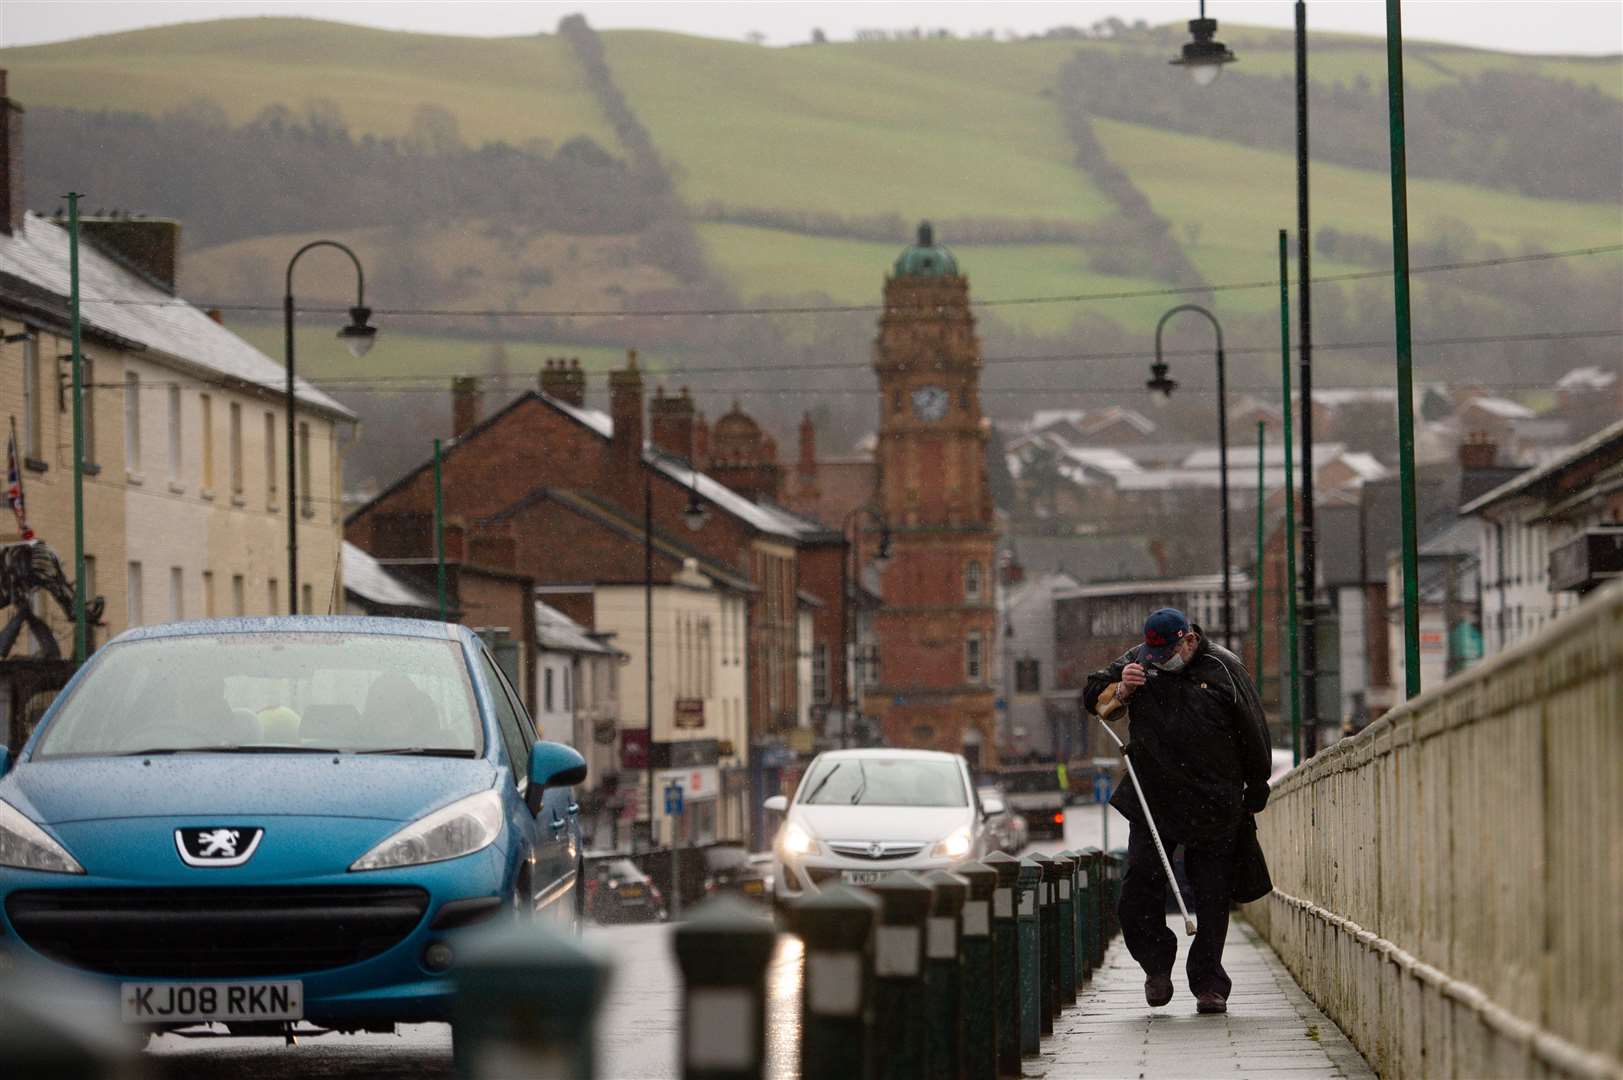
<point x="262" y="821"/>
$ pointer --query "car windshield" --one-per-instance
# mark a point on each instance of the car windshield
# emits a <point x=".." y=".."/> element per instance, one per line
<point x="622" y="870"/>
<point x="875" y="781"/>
<point x="1030" y="781"/>
<point x="281" y="692"/>
<point x="726" y="858"/>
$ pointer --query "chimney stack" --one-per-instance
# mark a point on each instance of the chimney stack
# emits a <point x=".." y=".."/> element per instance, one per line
<point x="564" y="380"/>
<point x="148" y="246"/>
<point x="466" y="404"/>
<point x="1478" y="451"/>
<point x="11" y="161"/>
<point x="625" y="409"/>
<point x="807" y="466"/>
<point x="670" y="423"/>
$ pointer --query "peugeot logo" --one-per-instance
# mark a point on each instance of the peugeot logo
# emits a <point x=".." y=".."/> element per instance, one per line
<point x="215" y="846"/>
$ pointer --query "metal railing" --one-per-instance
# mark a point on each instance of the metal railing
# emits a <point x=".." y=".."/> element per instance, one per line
<point x="1448" y="881"/>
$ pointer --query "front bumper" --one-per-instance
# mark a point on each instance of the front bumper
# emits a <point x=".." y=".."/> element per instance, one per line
<point x="391" y="984"/>
<point x="830" y="868"/>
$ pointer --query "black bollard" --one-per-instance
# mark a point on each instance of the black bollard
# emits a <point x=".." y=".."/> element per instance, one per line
<point x="1028" y="923"/>
<point x="1095" y="913"/>
<point x="1079" y="910"/>
<point x="981" y="1017"/>
<point x="943" y="974"/>
<point x="836" y="926"/>
<point x="1046" y="910"/>
<point x="723" y="949"/>
<point x="526" y="1001"/>
<point x="900" y="1042"/>
<point x="1065" y="924"/>
<point x="1006" y="962"/>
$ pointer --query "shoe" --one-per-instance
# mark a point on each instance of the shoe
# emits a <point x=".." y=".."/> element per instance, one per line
<point x="1210" y="1001"/>
<point x="1158" y="989"/>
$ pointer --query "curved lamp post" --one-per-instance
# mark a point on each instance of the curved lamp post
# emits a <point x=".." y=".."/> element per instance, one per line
<point x="358" y="337"/>
<point x="1160" y="382"/>
<point x="1203" y="57"/>
<point x="847" y="561"/>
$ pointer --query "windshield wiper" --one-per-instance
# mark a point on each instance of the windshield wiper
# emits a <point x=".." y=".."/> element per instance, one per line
<point x="233" y="749"/>
<point x="862" y="784"/>
<point x="823" y="783"/>
<point x="422" y="751"/>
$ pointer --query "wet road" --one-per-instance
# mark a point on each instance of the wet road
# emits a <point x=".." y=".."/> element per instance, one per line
<point x="638" y="1032"/>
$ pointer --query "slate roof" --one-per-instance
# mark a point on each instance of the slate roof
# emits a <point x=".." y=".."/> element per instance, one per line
<point x="557" y="632"/>
<point x="117" y="301"/>
<point x="367" y="578"/>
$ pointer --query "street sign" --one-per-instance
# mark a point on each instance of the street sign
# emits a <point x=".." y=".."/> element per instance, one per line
<point x="1101" y="787"/>
<point x="673" y="800"/>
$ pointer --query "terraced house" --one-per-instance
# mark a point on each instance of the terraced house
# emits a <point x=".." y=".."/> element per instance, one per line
<point x="185" y="512"/>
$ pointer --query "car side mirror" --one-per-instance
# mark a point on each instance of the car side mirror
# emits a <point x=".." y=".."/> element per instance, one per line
<point x="779" y="803"/>
<point x="5" y="760"/>
<point x="552" y="765"/>
<point x="992" y="807"/>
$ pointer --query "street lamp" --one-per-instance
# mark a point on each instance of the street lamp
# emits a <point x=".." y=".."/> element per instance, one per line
<point x="1203" y="57"/>
<point x="1160" y="383"/>
<point x="694" y="515"/>
<point x="358" y="337"/>
<point x="847" y="560"/>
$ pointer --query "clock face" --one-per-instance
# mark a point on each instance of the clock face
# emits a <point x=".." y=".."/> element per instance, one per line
<point x="930" y="403"/>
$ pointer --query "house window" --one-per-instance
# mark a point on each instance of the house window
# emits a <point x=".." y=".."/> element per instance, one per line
<point x="239" y="595"/>
<point x="205" y="405"/>
<point x="174" y="434"/>
<point x="208" y="594"/>
<point x="273" y="596"/>
<point x="177" y="594"/>
<point x="974" y="670"/>
<point x="972" y="580"/>
<point x="90" y="593"/>
<point x="133" y="596"/>
<point x="307" y="599"/>
<point x="33" y="410"/>
<point x="1026" y="677"/>
<point x="132" y="422"/>
<point x="820" y="673"/>
<point x="546" y="690"/>
<point x="235" y="451"/>
<point x="89" y="411"/>
<point x="270" y="460"/>
<point x="569" y="687"/>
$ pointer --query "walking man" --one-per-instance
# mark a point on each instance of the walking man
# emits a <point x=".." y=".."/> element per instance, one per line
<point x="1199" y="744"/>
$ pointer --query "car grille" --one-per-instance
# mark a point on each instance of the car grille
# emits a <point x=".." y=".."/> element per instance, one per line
<point x="864" y="849"/>
<point x="209" y="932"/>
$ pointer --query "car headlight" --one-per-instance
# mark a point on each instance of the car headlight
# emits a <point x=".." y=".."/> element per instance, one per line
<point x="797" y="841"/>
<point x="956" y="845"/>
<point x="462" y="828"/>
<point x="26" y="846"/>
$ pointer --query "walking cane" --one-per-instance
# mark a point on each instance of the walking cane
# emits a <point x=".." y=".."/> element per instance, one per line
<point x="1107" y="704"/>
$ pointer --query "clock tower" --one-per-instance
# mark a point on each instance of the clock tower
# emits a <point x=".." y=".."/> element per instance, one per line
<point x="936" y="630"/>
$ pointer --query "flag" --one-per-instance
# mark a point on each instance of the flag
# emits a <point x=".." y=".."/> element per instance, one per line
<point x="14" y="487"/>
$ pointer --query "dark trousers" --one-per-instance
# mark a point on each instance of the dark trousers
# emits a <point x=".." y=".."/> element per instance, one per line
<point x="1143" y="906"/>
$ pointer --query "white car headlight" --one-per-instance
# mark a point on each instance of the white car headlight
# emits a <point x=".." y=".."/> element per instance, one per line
<point x="462" y="828"/>
<point x="956" y="845"/>
<point x="26" y="846"/>
<point x="797" y="841"/>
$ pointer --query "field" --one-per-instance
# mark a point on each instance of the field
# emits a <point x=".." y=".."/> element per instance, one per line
<point x="918" y="129"/>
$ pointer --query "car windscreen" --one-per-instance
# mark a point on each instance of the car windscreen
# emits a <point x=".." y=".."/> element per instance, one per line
<point x="268" y="692"/>
<point x="872" y="781"/>
<point x="1042" y="779"/>
<point x="726" y="858"/>
<point x="622" y="870"/>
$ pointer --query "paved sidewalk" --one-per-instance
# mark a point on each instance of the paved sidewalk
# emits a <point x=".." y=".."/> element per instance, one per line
<point x="1272" y="1031"/>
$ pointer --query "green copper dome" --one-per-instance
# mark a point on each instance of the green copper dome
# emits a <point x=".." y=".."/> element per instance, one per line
<point x="926" y="258"/>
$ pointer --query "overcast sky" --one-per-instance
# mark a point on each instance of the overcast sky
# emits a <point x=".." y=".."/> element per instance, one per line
<point x="1545" y="26"/>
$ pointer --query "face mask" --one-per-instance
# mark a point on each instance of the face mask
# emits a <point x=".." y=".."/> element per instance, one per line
<point x="1175" y="662"/>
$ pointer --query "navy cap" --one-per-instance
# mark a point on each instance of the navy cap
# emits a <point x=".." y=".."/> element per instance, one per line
<point x="1164" y="631"/>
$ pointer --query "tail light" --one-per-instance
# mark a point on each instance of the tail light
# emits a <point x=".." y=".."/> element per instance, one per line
<point x="1059" y="818"/>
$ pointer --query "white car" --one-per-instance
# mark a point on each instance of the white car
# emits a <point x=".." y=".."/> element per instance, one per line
<point x="859" y="814"/>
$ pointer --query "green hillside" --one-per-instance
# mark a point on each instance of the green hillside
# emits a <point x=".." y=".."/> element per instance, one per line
<point x="964" y="130"/>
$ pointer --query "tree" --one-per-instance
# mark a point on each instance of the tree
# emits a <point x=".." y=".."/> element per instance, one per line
<point x="818" y="37"/>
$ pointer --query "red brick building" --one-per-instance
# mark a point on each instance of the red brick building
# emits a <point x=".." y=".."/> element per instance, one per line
<point x="937" y="629"/>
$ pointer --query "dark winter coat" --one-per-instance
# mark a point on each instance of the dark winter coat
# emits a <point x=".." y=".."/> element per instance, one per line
<point x="1197" y="738"/>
